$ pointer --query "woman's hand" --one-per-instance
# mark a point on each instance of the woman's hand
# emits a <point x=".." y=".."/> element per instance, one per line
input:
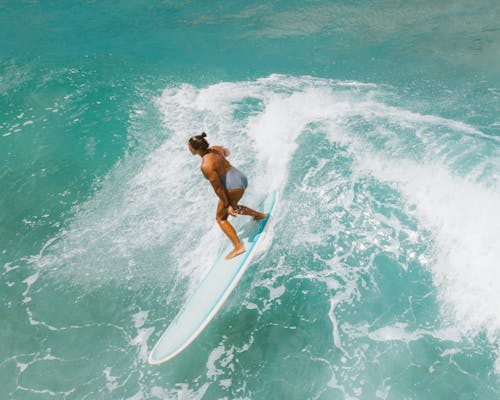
<point x="231" y="211"/>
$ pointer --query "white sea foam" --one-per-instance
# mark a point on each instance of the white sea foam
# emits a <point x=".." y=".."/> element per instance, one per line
<point x="400" y="332"/>
<point x="465" y="219"/>
<point x="141" y="341"/>
<point x="111" y="383"/>
<point x="140" y="318"/>
<point x="182" y="391"/>
<point x="215" y="355"/>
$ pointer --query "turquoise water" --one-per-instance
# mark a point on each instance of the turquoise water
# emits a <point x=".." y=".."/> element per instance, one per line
<point x="376" y="121"/>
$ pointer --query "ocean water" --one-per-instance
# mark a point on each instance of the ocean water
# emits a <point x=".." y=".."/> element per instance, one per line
<point x="377" y="122"/>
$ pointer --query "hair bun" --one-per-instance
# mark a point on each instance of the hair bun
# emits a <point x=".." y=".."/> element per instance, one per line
<point x="203" y="134"/>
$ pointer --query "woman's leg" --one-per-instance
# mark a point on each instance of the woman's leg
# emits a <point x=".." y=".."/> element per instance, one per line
<point x="244" y="210"/>
<point x="234" y="197"/>
<point x="226" y="226"/>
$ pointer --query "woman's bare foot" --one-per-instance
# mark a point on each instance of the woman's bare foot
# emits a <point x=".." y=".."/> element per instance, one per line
<point x="259" y="217"/>
<point x="235" y="252"/>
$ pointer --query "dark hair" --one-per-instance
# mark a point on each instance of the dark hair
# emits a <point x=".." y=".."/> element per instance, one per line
<point x="198" y="142"/>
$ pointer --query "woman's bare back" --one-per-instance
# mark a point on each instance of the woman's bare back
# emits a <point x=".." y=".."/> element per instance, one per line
<point x="216" y="160"/>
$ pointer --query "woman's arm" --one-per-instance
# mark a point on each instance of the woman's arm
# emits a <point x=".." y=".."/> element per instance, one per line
<point x="214" y="179"/>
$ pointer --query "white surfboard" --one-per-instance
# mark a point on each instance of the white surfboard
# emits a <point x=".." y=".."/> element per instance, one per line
<point x="213" y="290"/>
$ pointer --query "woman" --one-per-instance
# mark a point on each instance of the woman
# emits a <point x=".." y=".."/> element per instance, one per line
<point x="229" y="185"/>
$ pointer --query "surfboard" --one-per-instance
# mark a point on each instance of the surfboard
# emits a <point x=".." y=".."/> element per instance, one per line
<point x="213" y="290"/>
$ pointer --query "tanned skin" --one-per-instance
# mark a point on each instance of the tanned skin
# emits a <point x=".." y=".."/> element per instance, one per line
<point x="214" y="165"/>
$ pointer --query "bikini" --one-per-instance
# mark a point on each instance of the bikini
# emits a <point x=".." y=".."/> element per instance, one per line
<point x="232" y="179"/>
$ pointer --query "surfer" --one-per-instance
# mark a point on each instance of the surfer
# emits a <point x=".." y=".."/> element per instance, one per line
<point x="229" y="185"/>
